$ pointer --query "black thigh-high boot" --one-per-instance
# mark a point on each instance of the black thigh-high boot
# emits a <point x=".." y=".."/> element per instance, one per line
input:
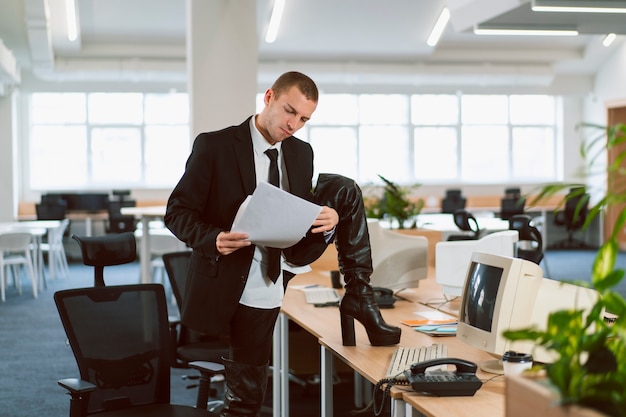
<point x="245" y="389"/>
<point x="355" y="261"/>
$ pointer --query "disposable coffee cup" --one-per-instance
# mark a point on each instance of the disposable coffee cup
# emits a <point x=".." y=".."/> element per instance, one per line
<point x="335" y="279"/>
<point x="515" y="363"/>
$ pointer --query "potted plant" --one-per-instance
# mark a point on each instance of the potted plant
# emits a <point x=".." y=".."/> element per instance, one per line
<point x="395" y="204"/>
<point x="590" y="368"/>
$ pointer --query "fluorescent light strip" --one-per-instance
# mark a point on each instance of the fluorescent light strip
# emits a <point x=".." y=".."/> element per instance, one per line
<point x="608" y="39"/>
<point x="439" y="27"/>
<point x="524" y="31"/>
<point x="70" y="20"/>
<point x="571" y="9"/>
<point x="596" y="6"/>
<point x="277" y="15"/>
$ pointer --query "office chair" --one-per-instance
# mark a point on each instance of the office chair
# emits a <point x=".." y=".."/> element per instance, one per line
<point x="512" y="203"/>
<point x="466" y="222"/>
<point x="188" y="345"/>
<point x="452" y="201"/>
<point x="530" y="243"/>
<point x="15" y="253"/>
<point x="51" y="209"/>
<point x="119" y="336"/>
<point x="573" y="218"/>
<point x="118" y="222"/>
<point x="107" y="250"/>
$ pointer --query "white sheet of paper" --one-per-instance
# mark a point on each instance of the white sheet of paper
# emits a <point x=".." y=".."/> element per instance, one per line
<point x="273" y="217"/>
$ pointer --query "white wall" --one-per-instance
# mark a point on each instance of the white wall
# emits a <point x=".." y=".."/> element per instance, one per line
<point x="610" y="86"/>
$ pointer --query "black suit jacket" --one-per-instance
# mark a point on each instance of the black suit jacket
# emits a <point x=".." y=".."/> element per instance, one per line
<point x="219" y="175"/>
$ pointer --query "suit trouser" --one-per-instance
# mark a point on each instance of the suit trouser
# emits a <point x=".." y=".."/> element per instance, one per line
<point x="251" y="334"/>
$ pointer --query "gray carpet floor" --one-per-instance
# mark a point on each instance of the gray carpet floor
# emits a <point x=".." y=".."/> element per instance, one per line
<point x="34" y="353"/>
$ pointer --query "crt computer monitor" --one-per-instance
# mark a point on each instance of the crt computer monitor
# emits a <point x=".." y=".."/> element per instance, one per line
<point x="504" y="293"/>
<point x="453" y="257"/>
<point x="399" y="260"/>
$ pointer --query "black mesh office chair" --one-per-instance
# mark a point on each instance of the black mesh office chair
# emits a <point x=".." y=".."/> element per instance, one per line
<point x="530" y="244"/>
<point x="51" y="209"/>
<point x="118" y="222"/>
<point x="452" y="201"/>
<point x="573" y="217"/>
<point x="107" y="250"/>
<point x="512" y="203"/>
<point x="120" y="339"/>
<point x="466" y="222"/>
<point x="188" y="345"/>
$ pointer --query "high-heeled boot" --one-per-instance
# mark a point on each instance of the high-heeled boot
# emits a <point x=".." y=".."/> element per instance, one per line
<point x="245" y="389"/>
<point x="355" y="261"/>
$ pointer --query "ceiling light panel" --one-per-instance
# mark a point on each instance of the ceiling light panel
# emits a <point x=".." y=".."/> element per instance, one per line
<point x="579" y="6"/>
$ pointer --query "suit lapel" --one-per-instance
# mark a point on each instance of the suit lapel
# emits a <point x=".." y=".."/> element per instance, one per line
<point x="298" y="183"/>
<point x="244" y="155"/>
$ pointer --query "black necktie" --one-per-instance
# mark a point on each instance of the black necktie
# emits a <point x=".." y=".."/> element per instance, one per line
<point x="273" y="269"/>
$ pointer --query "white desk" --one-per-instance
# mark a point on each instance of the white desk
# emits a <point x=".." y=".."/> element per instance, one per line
<point x="145" y="215"/>
<point x="444" y="223"/>
<point x="37" y="228"/>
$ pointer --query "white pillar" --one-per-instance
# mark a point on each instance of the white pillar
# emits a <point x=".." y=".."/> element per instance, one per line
<point x="222" y="61"/>
<point x="8" y="157"/>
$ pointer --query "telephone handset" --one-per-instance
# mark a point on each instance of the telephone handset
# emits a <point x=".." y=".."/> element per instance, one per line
<point x="384" y="297"/>
<point x="463" y="382"/>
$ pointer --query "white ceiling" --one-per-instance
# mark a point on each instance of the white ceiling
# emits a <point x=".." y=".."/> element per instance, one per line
<point x="351" y="41"/>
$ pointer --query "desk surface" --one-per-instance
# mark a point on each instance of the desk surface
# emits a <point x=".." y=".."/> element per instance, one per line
<point x="372" y="361"/>
<point x="141" y="211"/>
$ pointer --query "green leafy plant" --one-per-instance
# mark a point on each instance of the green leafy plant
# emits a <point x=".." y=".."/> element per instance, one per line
<point x="590" y="368"/>
<point x="395" y="204"/>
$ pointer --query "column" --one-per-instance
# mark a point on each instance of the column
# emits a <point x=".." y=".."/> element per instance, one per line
<point x="222" y="61"/>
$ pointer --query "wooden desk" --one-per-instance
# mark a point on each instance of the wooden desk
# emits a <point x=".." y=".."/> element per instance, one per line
<point x="371" y="362"/>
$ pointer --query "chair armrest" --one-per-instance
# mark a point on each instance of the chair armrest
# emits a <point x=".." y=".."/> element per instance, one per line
<point x="79" y="392"/>
<point x="76" y="386"/>
<point x="208" y="368"/>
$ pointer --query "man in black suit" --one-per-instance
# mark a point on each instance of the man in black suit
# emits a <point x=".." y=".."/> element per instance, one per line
<point x="230" y="286"/>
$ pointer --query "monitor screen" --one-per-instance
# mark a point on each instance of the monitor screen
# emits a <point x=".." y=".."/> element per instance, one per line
<point x="504" y="293"/>
<point x="482" y="291"/>
<point x="452" y="258"/>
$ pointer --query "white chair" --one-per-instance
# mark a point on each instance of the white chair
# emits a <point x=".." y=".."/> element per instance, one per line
<point x="57" y="259"/>
<point x="15" y="252"/>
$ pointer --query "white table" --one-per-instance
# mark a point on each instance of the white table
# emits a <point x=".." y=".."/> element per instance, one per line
<point x="37" y="228"/>
<point x="145" y="215"/>
<point x="444" y="223"/>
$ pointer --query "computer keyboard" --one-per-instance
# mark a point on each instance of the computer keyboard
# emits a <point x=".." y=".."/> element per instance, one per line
<point x="321" y="295"/>
<point x="404" y="357"/>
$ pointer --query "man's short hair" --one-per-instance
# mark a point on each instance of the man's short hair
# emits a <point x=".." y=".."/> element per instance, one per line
<point x="305" y="84"/>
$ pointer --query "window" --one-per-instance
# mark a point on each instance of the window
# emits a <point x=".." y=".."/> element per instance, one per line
<point x="435" y="138"/>
<point x="141" y="140"/>
<point x="105" y="140"/>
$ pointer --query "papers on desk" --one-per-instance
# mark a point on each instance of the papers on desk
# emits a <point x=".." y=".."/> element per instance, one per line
<point x="433" y="324"/>
<point x="273" y="217"/>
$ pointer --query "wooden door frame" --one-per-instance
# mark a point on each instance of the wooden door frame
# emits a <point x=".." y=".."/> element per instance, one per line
<point x="615" y="113"/>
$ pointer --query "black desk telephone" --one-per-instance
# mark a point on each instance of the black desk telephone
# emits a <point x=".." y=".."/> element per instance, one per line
<point x="463" y="382"/>
<point x="384" y="297"/>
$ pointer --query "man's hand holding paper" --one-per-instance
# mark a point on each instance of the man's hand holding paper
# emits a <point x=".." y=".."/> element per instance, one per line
<point x="273" y="217"/>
